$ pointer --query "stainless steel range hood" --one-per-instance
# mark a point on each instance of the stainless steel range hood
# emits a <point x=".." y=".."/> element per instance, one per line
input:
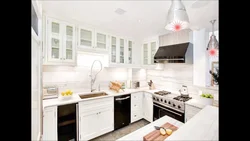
<point x="176" y="53"/>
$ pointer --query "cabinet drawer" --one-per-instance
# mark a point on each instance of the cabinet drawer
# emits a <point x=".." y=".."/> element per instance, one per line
<point x="136" y="106"/>
<point x="136" y="115"/>
<point x="136" y="96"/>
<point x="96" y="104"/>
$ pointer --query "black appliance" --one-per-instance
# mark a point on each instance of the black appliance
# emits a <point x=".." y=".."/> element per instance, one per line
<point x="160" y="111"/>
<point x="122" y="106"/>
<point x="67" y="122"/>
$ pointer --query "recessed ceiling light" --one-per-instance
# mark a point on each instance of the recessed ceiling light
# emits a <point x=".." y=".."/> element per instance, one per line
<point x="139" y="21"/>
<point x="120" y="11"/>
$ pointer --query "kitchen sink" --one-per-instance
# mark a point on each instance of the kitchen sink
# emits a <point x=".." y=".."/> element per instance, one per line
<point x="90" y="95"/>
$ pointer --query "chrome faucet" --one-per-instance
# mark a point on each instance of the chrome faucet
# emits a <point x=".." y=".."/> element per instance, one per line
<point x="92" y="81"/>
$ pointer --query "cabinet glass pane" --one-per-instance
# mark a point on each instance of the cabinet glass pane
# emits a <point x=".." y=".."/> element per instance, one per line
<point x="69" y="44"/>
<point x="55" y="27"/>
<point x="129" y="52"/>
<point x="113" y="49"/>
<point x="55" y="53"/>
<point x="69" y="31"/>
<point x="101" y="38"/>
<point x="86" y="35"/>
<point x="113" y="41"/>
<point x="153" y="51"/>
<point x="86" y="43"/>
<point x="54" y="43"/>
<point x="145" y="54"/>
<point x="101" y="45"/>
<point x="69" y="54"/>
<point x="121" y="50"/>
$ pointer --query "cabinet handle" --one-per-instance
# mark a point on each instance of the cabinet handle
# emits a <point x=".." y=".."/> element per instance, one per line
<point x="134" y="115"/>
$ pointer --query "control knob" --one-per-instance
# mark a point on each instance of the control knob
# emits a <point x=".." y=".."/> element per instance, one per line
<point x="165" y="101"/>
<point x="169" y="102"/>
<point x="174" y="105"/>
<point x="179" y="106"/>
<point x="161" y="100"/>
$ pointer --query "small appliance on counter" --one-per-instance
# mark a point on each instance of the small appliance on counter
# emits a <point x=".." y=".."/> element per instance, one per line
<point x="151" y="85"/>
<point x="135" y="84"/>
<point x="50" y="92"/>
<point x="184" y="91"/>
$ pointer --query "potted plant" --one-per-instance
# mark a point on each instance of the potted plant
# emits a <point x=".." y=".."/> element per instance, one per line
<point x="207" y="99"/>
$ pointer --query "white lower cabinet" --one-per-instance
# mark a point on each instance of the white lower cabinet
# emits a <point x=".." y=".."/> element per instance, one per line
<point x="190" y="111"/>
<point x="147" y="107"/>
<point x="96" y="117"/>
<point x="136" y="106"/>
<point x="50" y="124"/>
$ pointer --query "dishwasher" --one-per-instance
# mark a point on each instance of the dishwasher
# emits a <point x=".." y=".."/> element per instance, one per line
<point x="122" y="111"/>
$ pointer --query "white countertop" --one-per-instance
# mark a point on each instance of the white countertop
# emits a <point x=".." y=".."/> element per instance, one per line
<point x="75" y="97"/>
<point x="203" y="126"/>
<point x="138" y="134"/>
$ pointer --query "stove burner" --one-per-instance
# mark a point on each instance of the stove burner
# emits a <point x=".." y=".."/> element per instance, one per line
<point x="181" y="98"/>
<point x="162" y="93"/>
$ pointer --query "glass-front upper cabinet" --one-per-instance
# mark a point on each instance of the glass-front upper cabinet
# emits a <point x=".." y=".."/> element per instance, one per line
<point x="60" y="41"/>
<point x="153" y="51"/>
<point x="69" y="43"/>
<point x="145" y="54"/>
<point x="113" y="49"/>
<point x="101" y="41"/>
<point x="86" y="37"/>
<point x="130" y="52"/>
<point x="54" y="40"/>
<point x="121" y="50"/>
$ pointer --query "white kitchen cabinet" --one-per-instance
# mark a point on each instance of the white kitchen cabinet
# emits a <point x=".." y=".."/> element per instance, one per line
<point x="149" y="48"/>
<point x="190" y="111"/>
<point x="96" y="117"/>
<point x="60" y="43"/>
<point x="50" y="123"/>
<point x="121" y="51"/>
<point x="136" y="106"/>
<point x="148" y="106"/>
<point x="92" y="39"/>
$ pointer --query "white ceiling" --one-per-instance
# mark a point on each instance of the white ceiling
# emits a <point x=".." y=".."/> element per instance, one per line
<point x="142" y="18"/>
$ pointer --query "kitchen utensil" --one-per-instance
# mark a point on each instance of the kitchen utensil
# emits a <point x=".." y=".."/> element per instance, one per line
<point x="184" y="91"/>
<point x="156" y="135"/>
<point x="135" y="84"/>
<point x="158" y="128"/>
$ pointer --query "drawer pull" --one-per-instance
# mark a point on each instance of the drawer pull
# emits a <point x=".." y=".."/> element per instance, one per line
<point x="134" y="115"/>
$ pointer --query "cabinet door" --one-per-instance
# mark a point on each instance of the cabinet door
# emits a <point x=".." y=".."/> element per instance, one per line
<point x="130" y="52"/>
<point x="106" y="120"/>
<point x="122" y="46"/>
<point x="145" y="54"/>
<point x="153" y="51"/>
<point x="54" y="40"/>
<point x="69" y="43"/>
<point x="50" y="124"/>
<point x="101" y="41"/>
<point x="88" y="125"/>
<point x="148" y="107"/>
<point x="113" y="49"/>
<point x="86" y="38"/>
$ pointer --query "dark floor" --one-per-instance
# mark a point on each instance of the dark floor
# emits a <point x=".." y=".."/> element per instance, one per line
<point x="114" y="135"/>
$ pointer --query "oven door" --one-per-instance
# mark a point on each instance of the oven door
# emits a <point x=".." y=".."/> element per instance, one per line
<point x="160" y="111"/>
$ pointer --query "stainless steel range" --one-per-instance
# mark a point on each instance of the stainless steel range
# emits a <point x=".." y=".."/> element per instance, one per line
<point x="167" y="103"/>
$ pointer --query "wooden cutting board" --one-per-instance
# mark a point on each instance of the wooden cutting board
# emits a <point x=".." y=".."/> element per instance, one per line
<point x="156" y="135"/>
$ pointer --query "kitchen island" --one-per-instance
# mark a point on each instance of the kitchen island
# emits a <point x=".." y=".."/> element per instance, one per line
<point x="203" y="126"/>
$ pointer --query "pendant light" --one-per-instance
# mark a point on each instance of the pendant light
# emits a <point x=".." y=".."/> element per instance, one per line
<point x="177" y="18"/>
<point x="213" y="45"/>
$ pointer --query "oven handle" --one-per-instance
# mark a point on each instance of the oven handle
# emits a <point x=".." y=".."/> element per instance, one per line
<point x="122" y="98"/>
<point x="168" y="110"/>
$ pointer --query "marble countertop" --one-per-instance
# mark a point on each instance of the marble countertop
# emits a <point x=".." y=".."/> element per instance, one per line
<point x="203" y="126"/>
<point x="138" y="134"/>
<point x="75" y="97"/>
